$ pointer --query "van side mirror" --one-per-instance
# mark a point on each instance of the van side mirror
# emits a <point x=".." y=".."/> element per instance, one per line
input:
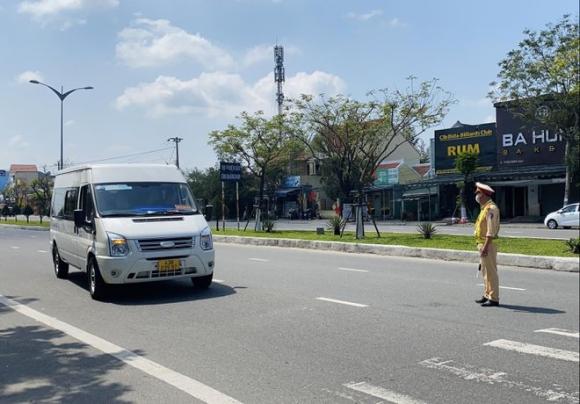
<point x="79" y="217"/>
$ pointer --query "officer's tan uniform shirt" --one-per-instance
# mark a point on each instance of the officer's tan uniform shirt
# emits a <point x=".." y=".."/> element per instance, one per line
<point x="487" y="224"/>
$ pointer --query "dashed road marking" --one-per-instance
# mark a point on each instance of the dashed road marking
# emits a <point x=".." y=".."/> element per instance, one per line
<point x="186" y="384"/>
<point x="258" y="259"/>
<point x="490" y="376"/>
<point x="15" y="247"/>
<point x="505" y="287"/>
<point x="219" y="280"/>
<point x="382" y="393"/>
<point x="41" y="251"/>
<point x="531" y="349"/>
<point x="326" y="299"/>
<point x="559" y="331"/>
<point x="352" y="269"/>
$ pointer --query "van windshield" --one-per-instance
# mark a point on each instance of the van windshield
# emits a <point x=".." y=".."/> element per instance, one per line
<point x="144" y="199"/>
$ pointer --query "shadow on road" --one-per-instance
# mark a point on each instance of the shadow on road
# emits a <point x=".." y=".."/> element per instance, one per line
<point x="531" y="309"/>
<point x="39" y="364"/>
<point x="162" y="292"/>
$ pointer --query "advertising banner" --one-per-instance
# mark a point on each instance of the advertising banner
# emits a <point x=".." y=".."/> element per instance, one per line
<point x="523" y="143"/>
<point x="480" y="139"/>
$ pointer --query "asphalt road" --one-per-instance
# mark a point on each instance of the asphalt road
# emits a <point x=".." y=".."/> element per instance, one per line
<point x="287" y="326"/>
<point x="530" y="230"/>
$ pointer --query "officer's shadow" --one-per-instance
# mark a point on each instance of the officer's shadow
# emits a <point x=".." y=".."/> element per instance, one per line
<point x="531" y="309"/>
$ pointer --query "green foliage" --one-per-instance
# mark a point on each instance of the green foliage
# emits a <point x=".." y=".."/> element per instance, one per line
<point x="352" y="137"/>
<point x="427" y="230"/>
<point x="574" y="245"/>
<point x="466" y="163"/>
<point x="334" y="224"/>
<point x="42" y="194"/>
<point x="5" y="211"/>
<point x="27" y="212"/>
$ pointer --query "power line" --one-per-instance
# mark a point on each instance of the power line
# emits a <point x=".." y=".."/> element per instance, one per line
<point x="126" y="155"/>
<point x="176" y="140"/>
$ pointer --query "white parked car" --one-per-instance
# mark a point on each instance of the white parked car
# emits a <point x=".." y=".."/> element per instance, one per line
<point x="568" y="216"/>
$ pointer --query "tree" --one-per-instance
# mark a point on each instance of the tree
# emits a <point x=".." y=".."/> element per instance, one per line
<point x="15" y="212"/>
<point x="351" y="138"/>
<point x="262" y="145"/>
<point x="5" y="212"/>
<point x="423" y="149"/>
<point x="27" y="212"/>
<point x="465" y="163"/>
<point x="42" y="194"/>
<point x="540" y="79"/>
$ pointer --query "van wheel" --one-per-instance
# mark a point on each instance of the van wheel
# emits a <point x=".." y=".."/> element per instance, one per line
<point x="60" y="267"/>
<point x="202" y="282"/>
<point x="97" y="286"/>
<point x="552" y="224"/>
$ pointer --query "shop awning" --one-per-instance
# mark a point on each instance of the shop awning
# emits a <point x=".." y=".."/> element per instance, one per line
<point x="285" y="192"/>
<point x="419" y="193"/>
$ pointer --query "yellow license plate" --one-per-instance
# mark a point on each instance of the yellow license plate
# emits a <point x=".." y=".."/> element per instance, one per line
<point x="168" y="265"/>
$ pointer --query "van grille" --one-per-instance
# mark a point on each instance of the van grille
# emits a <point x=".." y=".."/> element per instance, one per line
<point x="159" y="219"/>
<point x="166" y="244"/>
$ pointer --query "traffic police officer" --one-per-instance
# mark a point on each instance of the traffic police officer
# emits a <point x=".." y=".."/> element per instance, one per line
<point x="486" y="230"/>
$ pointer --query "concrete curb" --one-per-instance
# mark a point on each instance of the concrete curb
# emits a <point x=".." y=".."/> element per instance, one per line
<point x="16" y="226"/>
<point x="516" y="260"/>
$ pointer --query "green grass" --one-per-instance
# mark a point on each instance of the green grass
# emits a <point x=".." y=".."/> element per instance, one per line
<point x="45" y="222"/>
<point x="538" y="247"/>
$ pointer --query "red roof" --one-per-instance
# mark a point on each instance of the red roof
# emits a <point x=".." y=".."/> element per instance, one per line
<point x="422" y="169"/>
<point x="19" y="168"/>
<point x="394" y="164"/>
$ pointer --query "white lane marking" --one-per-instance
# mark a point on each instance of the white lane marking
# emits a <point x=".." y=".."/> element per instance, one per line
<point x="505" y="287"/>
<point x="352" y="269"/>
<point x="258" y="259"/>
<point x="490" y="376"/>
<point x="534" y="350"/>
<point x="15" y="247"/>
<point x="219" y="280"/>
<point x="325" y="299"/>
<point x="380" y="392"/>
<point x="41" y="251"/>
<point x="186" y="384"/>
<point x="559" y="331"/>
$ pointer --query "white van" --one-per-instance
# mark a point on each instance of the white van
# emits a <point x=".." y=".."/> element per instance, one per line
<point x="128" y="223"/>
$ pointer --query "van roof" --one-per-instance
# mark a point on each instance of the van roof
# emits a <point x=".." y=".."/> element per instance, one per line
<point x="108" y="173"/>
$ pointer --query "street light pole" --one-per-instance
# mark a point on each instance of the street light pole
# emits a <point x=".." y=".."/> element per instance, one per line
<point x="176" y="140"/>
<point x="61" y="95"/>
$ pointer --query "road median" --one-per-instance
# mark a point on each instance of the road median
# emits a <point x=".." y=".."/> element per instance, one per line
<point x="516" y="260"/>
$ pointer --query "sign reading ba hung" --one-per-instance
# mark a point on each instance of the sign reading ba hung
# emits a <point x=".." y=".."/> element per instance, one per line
<point x="479" y="139"/>
<point x="520" y="143"/>
<point x="230" y="171"/>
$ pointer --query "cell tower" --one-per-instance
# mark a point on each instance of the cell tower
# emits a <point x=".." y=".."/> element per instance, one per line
<point x="279" y="75"/>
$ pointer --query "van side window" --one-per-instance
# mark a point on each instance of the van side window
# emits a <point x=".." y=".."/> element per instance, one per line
<point x="86" y="203"/>
<point x="57" y="206"/>
<point x="70" y="202"/>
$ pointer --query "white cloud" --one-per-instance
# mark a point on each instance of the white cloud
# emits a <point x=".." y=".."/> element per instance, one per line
<point x="396" y="23"/>
<point x="40" y="9"/>
<point x="28" y="75"/>
<point x="17" y="142"/>
<point x="156" y="42"/>
<point x="365" y="16"/>
<point x="222" y="94"/>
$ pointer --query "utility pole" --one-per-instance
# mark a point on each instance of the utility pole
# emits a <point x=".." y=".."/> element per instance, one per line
<point x="176" y="140"/>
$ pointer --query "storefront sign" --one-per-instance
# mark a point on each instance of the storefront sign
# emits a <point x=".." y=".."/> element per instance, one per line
<point x="520" y="143"/>
<point x="479" y="139"/>
<point x="292" y="181"/>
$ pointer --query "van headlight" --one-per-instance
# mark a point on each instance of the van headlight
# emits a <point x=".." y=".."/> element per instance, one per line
<point x="205" y="240"/>
<point x="118" y="246"/>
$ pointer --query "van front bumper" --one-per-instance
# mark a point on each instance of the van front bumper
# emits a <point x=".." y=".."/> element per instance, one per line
<point x="137" y="269"/>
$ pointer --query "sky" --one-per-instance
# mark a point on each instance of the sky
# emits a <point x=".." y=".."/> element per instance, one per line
<point x="183" y="68"/>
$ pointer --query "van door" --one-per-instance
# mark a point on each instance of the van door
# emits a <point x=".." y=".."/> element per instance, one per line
<point x="67" y="242"/>
<point x="85" y="234"/>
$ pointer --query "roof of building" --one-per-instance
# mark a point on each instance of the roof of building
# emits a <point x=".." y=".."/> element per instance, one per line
<point x="390" y="164"/>
<point x="19" y="168"/>
<point x="422" y="169"/>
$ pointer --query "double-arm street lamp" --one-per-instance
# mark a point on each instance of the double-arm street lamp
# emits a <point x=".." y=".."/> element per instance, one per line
<point x="61" y="95"/>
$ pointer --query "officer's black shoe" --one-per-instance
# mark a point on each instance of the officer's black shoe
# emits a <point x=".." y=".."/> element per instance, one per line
<point x="482" y="300"/>
<point x="490" y="303"/>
